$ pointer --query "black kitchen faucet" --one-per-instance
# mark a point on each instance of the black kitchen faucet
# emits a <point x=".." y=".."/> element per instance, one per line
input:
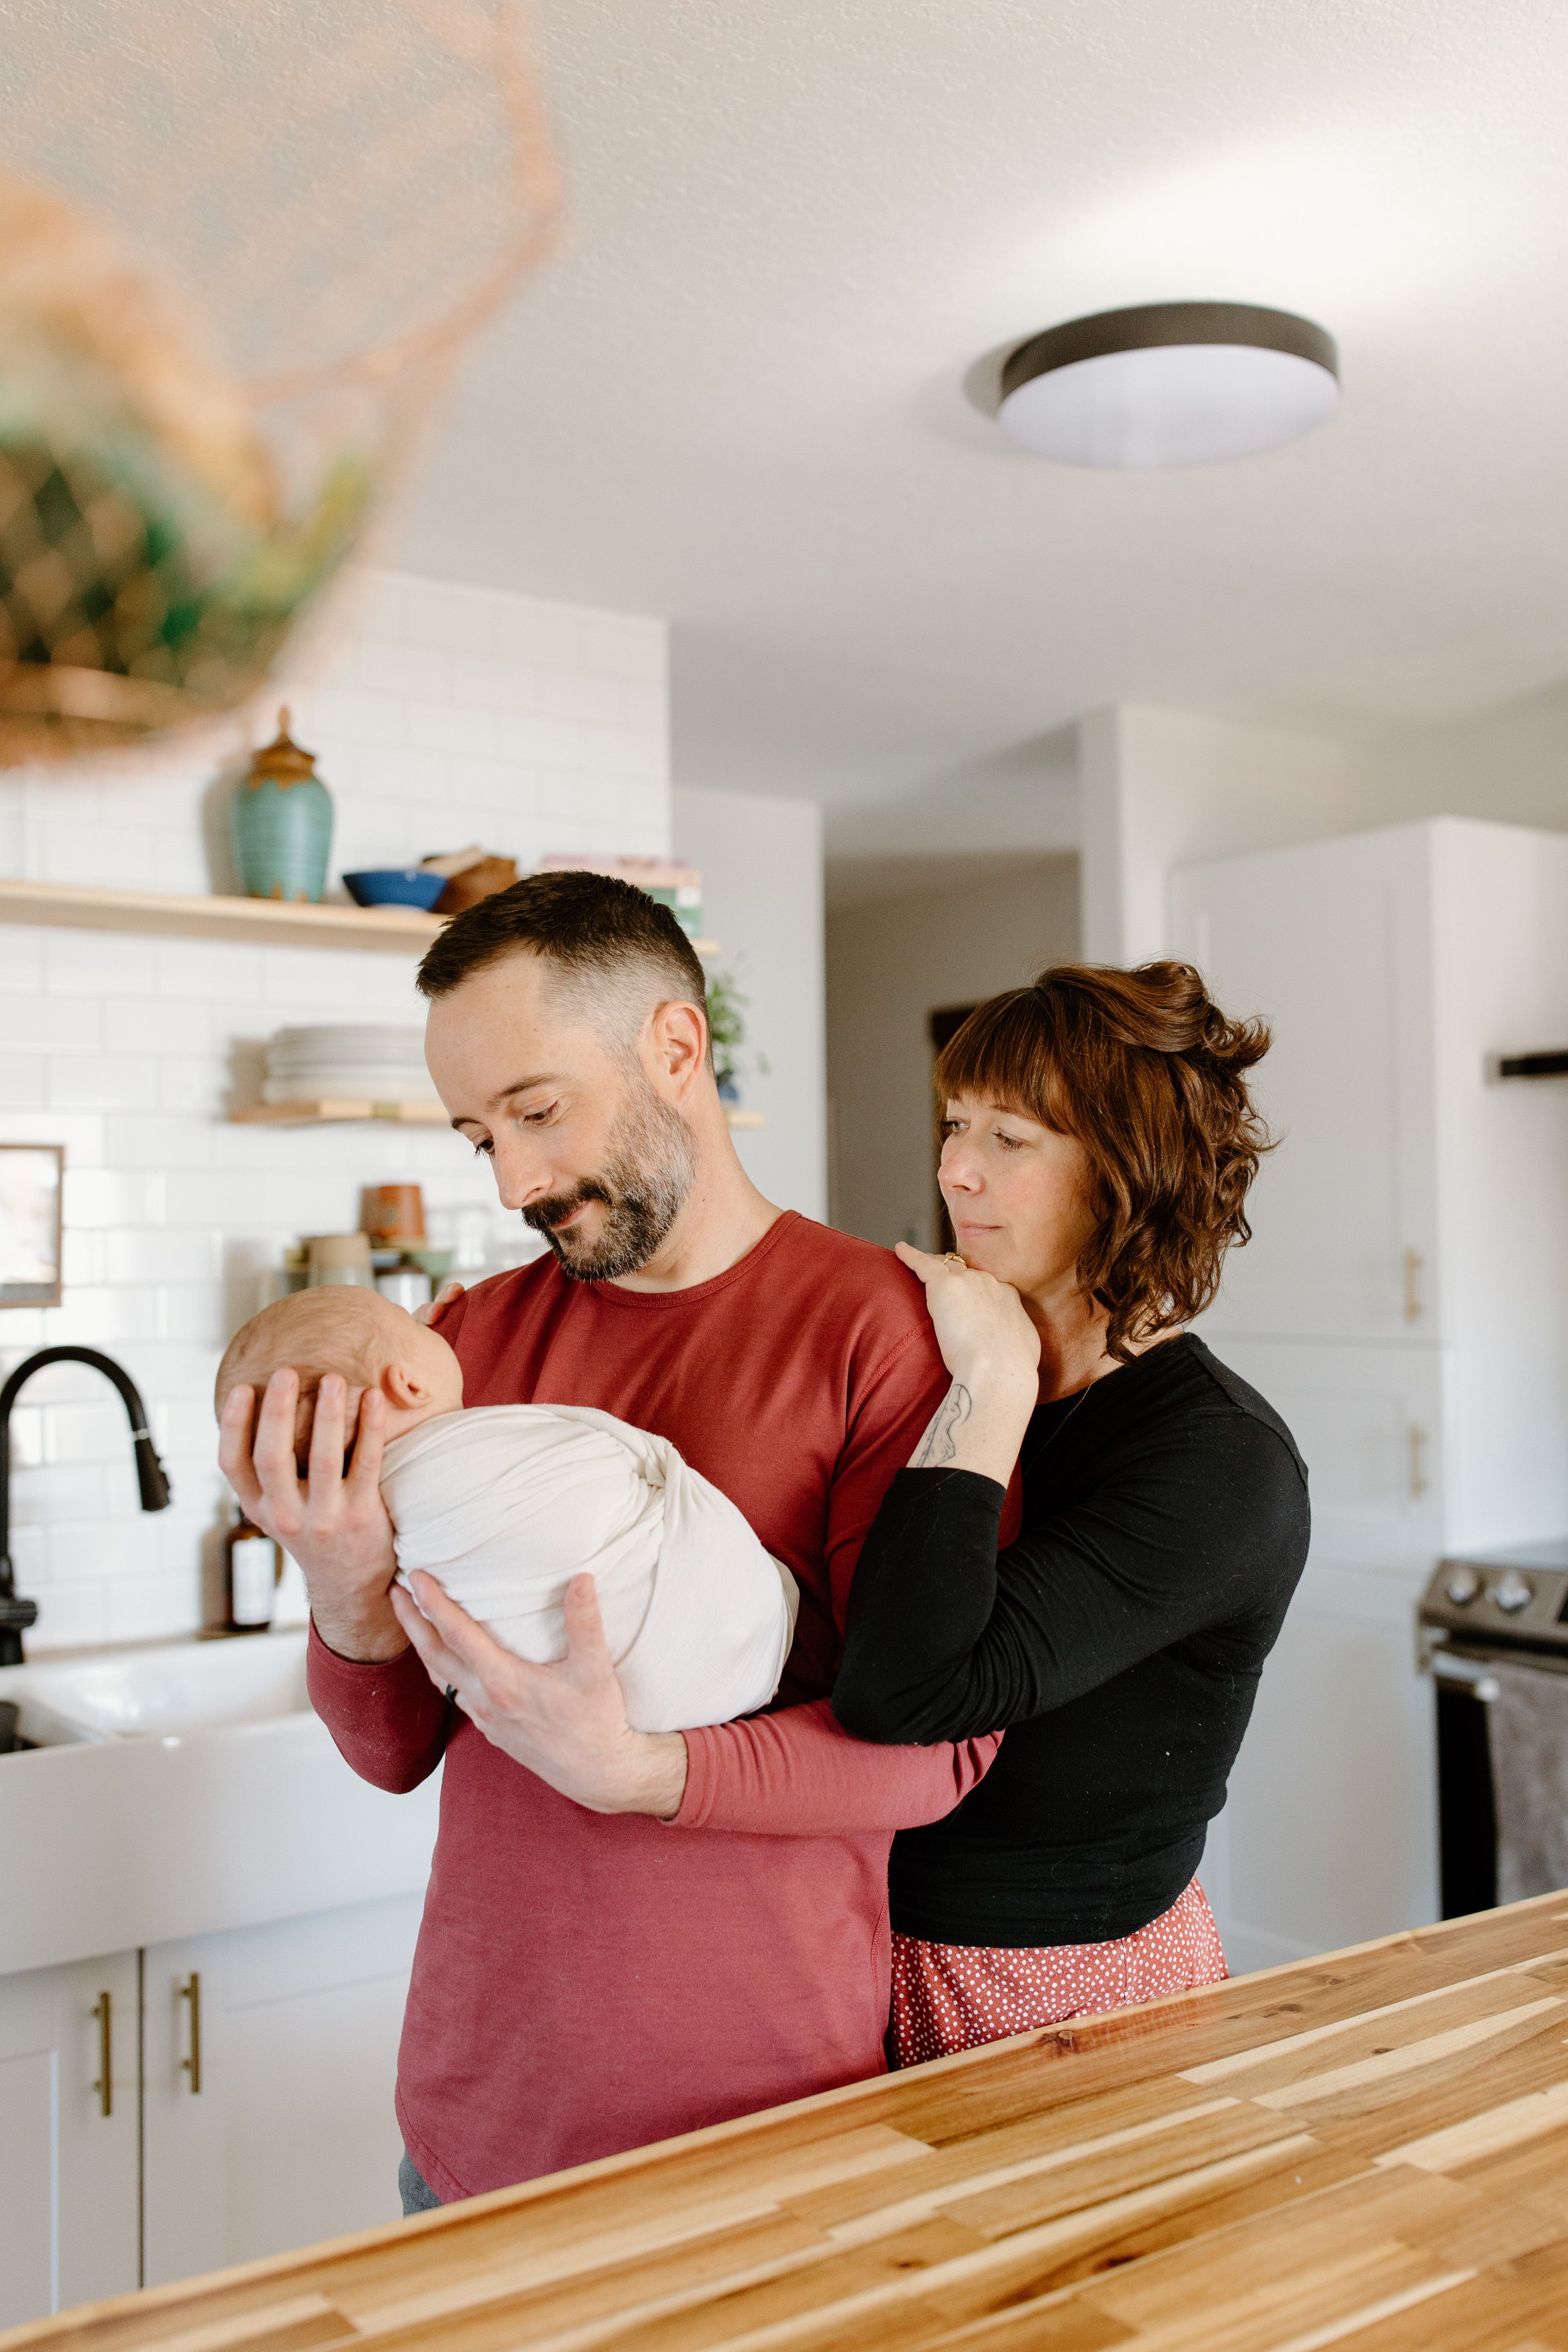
<point x="16" y="1614"/>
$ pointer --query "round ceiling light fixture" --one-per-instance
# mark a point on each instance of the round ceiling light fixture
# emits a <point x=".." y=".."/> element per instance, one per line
<point x="1169" y="383"/>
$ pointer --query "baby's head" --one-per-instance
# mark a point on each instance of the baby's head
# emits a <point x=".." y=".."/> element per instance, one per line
<point x="361" y="1337"/>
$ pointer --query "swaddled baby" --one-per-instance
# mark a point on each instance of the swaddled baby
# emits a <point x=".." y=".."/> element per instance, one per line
<point x="503" y="1505"/>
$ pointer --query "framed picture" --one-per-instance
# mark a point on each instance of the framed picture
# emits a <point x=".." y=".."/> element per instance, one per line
<point x="30" y="1189"/>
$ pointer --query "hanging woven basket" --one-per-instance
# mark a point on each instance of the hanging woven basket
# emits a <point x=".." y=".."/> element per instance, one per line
<point x="197" y="426"/>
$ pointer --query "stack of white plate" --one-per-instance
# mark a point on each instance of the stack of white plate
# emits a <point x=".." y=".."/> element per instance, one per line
<point x="350" y="1062"/>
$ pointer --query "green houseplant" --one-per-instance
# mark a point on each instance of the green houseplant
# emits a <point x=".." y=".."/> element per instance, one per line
<point x="727" y="1005"/>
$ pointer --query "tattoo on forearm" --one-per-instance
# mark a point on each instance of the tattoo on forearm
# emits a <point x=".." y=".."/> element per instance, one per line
<point x="940" y="1443"/>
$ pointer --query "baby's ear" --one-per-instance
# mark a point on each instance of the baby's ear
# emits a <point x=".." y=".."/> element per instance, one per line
<point x="400" y="1386"/>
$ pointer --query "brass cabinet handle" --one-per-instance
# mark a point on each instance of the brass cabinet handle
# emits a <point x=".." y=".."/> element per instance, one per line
<point x="104" y="2009"/>
<point x="1419" y="1481"/>
<point x="191" y="1991"/>
<point x="1414" y="1310"/>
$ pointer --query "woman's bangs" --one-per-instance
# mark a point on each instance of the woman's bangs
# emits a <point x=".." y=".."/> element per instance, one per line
<point x="1002" y="1055"/>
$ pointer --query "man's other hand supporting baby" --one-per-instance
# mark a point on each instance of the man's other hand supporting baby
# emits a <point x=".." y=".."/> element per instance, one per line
<point x="568" y="1722"/>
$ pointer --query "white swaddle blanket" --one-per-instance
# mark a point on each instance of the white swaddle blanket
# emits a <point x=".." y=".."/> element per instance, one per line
<point x="503" y="1505"/>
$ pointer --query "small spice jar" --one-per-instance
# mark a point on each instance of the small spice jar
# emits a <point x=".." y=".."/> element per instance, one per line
<point x="282" y="823"/>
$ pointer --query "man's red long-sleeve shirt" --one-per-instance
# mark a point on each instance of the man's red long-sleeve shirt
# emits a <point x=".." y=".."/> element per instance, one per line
<point x="587" y="1982"/>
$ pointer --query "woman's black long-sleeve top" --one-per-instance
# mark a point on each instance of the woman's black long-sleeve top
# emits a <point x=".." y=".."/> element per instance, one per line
<point x="1118" y="1640"/>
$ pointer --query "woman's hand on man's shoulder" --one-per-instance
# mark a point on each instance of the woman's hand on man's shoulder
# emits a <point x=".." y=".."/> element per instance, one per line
<point x="993" y="1351"/>
<point x="985" y="1337"/>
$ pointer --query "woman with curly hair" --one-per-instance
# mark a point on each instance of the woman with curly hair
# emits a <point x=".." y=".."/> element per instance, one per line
<point x="1099" y="1141"/>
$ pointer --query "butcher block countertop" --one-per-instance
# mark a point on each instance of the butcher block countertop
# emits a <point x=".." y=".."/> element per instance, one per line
<point x="1369" y="2148"/>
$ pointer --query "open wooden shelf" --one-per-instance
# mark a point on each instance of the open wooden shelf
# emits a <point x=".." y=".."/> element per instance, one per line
<point x="332" y="1112"/>
<point x="268" y="922"/>
<point x="272" y="922"/>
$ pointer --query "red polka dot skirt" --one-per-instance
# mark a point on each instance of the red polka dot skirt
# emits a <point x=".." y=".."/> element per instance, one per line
<point x="950" y="1996"/>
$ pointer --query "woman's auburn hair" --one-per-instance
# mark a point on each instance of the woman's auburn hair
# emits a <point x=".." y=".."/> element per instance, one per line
<point x="1147" y="1074"/>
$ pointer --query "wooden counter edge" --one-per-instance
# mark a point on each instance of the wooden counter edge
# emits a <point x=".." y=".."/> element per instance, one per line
<point x="145" y="2301"/>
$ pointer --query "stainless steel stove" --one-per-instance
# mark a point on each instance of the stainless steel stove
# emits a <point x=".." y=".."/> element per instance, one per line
<point x="1479" y="1609"/>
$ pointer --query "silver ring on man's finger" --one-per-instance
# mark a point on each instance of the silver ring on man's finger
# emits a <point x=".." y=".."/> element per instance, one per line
<point x="451" y="1693"/>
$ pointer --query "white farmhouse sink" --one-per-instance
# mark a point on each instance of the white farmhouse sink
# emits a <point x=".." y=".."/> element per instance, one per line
<point x="180" y="1788"/>
<point x="170" y="1688"/>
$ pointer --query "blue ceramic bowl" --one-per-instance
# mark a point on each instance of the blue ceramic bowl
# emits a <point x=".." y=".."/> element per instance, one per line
<point x="391" y="885"/>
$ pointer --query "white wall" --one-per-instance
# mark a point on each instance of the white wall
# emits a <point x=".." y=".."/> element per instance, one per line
<point x="1162" y="788"/>
<point x="890" y="963"/>
<point x="761" y="883"/>
<point x="1510" y="764"/>
<point x="1165" y="788"/>
<point x="441" y="715"/>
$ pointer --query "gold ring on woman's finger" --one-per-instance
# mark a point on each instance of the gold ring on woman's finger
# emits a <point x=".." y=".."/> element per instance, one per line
<point x="950" y="1257"/>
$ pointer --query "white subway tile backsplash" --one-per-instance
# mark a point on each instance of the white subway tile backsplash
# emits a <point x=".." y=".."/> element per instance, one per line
<point x="26" y="1437"/>
<point x="440" y="715"/>
<point x="120" y="856"/>
<point x="83" y="1433"/>
<point x="21" y="951"/>
<point x="82" y="1258"/>
<point x="102" y="1081"/>
<point x="58" y="1491"/>
<point x="71" y="1617"/>
<point x="21" y="1330"/>
<point x="194" y="1311"/>
<point x="110" y="1196"/>
<point x="194" y="1086"/>
<point x="205" y="969"/>
<point x="98" y="964"/>
<point x="97" y="1316"/>
<point x="156" y="1139"/>
<point x="184" y="1253"/>
<point x="148" y="1607"/>
<point x="136" y="1024"/>
<point x="51" y="1023"/>
<point x="30" y="1555"/>
<point x="391" y="671"/>
<point x="23" y="1076"/>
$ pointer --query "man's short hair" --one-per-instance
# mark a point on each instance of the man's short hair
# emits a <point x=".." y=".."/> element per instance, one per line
<point x="599" y="933"/>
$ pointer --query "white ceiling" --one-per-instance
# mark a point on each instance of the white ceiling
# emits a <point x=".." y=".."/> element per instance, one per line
<point x="737" y="398"/>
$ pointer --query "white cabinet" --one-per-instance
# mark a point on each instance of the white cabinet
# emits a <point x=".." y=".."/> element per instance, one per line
<point x="250" y="2107"/>
<point x="281" y="2131"/>
<point x="1332" y="943"/>
<point x="1404" y="1304"/>
<point x="1328" y="1835"/>
<point x="68" y="2135"/>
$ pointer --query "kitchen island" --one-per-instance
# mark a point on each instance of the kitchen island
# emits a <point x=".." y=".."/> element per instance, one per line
<point x="1368" y="2148"/>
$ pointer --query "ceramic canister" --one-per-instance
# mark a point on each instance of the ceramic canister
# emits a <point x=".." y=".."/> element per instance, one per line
<point x="340" y="1258"/>
<point x="283" y="820"/>
<point x="392" y="1215"/>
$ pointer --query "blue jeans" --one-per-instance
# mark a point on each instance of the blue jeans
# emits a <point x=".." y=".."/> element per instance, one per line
<point x="415" y="2191"/>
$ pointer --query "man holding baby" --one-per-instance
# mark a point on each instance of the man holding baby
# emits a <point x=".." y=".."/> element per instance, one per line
<point x="627" y="1934"/>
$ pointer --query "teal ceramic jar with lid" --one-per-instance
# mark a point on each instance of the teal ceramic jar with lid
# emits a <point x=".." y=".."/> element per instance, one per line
<point x="282" y="821"/>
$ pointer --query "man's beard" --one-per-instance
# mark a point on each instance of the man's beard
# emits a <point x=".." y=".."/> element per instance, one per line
<point x="643" y="1186"/>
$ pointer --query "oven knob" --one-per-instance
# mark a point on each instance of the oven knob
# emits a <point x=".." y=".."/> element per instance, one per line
<point x="1512" y="1593"/>
<point x="1461" y="1587"/>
